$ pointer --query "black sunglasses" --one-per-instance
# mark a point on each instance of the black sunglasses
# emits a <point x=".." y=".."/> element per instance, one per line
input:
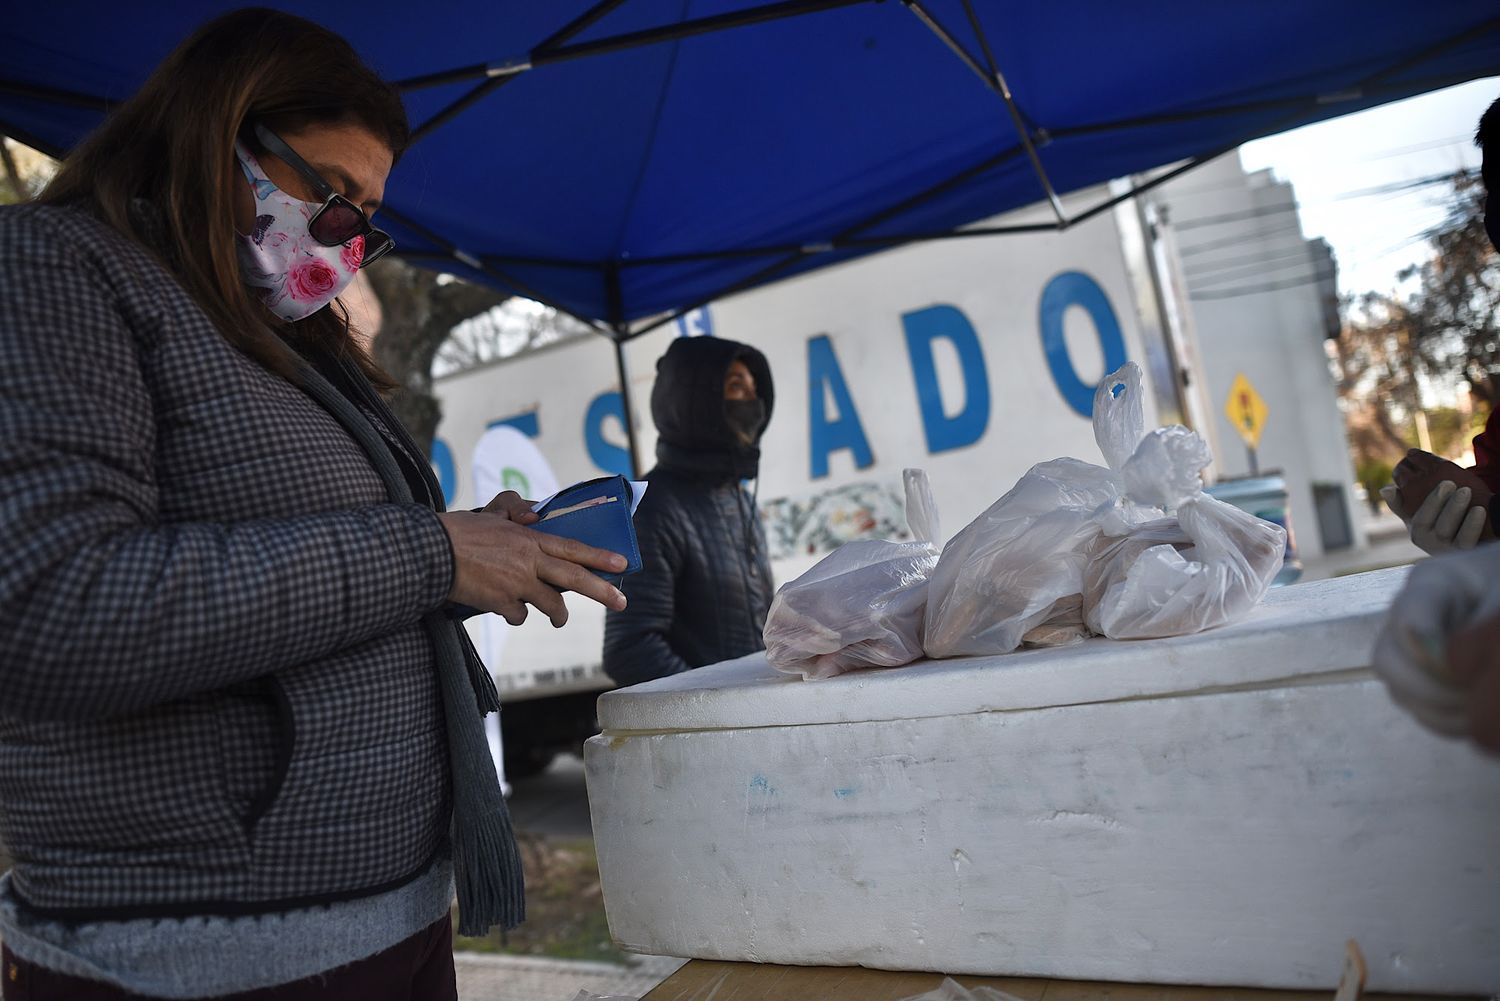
<point x="338" y="220"/>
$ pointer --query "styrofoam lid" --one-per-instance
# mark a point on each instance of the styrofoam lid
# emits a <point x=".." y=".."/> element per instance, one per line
<point x="1299" y="635"/>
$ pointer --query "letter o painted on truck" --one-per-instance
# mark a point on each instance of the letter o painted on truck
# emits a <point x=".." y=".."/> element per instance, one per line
<point x="607" y="456"/>
<point x="1074" y="288"/>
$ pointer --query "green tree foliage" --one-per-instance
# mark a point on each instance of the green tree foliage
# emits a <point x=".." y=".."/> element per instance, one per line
<point x="1445" y="332"/>
<point x="1377" y="374"/>
<point x="1372" y="475"/>
<point x="1454" y="315"/>
<point x="1447" y="429"/>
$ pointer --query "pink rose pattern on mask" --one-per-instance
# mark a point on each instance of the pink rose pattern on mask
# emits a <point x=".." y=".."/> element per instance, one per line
<point x="310" y="279"/>
<point x="351" y="253"/>
<point x="295" y="274"/>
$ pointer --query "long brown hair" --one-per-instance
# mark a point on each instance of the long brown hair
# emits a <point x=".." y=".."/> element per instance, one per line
<point x="172" y="144"/>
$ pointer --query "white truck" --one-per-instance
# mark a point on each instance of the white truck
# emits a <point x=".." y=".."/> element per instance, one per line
<point x="973" y="358"/>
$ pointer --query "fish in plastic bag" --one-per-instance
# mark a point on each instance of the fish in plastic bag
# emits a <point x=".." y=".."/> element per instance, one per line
<point x="1018" y="564"/>
<point x="863" y="604"/>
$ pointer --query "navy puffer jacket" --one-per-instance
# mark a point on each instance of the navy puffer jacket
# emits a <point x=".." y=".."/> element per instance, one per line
<point x="705" y="588"/>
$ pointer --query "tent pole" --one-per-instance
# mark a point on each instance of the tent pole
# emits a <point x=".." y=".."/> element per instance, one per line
<point x="464" y="257"/>
<point x="54" y="95"/>
<point x="27" y="139"/>
<point x="762" y="275"/>
<point x="1157" y="181"/>
<point x="494" y="83"/>
<point x="842" y="243"/>
<point x="995" y="80"/>
<point x="626" y="405"/>
<point x="685" y="29"/>
<point x="615" y="302"/>
<point x="545" y="54"/>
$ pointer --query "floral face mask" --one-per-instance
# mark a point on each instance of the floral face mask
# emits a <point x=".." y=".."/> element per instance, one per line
<point x="295" y="274"/>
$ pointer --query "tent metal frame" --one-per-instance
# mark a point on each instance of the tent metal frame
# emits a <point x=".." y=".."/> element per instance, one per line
<point x="556" y="49"/>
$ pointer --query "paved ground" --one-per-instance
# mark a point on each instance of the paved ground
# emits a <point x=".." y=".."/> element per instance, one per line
<point x="554" y="804"/>
<point x="519" y="978"/>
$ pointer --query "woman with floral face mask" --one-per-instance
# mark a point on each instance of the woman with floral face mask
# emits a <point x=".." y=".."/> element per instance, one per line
<point x="241" y="740"/>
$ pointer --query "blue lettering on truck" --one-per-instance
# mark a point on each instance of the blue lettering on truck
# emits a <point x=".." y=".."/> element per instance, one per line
<point x="607" y="456"/>
<point x="1073" y="288"/>
<point x="833" y="421"/>
<point x="446" y="471"/>
<point x="923" y="328"/>
<point x="827" y="435"/>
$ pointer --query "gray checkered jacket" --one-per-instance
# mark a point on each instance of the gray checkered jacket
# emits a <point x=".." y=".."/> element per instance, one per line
<point x="215" y="692"/>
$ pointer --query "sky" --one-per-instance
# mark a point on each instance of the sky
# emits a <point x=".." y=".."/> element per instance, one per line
<point x="1333" y="164"/>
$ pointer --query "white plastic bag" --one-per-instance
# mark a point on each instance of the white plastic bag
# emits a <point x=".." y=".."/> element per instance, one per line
<point x="863" y="604"/>
<point x="1208" y="566"/>
<point x="1071" y="532"/>
<point x="1018" y="564"/>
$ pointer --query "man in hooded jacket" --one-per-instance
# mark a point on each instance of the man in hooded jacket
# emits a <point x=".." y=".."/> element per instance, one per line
<point x="705" y="585"/>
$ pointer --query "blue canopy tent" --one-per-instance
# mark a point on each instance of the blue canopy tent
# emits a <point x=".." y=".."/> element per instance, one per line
<point x="630" y="160"/>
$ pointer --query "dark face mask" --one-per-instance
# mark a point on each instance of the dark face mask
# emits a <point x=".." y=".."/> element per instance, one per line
<point x="746" y="418"/>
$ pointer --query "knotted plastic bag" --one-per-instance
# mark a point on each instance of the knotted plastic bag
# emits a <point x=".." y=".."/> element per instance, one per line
<point x="1021" y="563"/>
<point x="1138" y="544"/>
<point x="863" y="604"/>
<point x="1209" y="565"/>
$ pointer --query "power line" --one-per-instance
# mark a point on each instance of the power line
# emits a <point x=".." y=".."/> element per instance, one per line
<point x="1231" y="293"/>
<point x="1400" y="187"/>
<point x="1199" y="248"/>
<point x="1420" y="147"/>
<point x="1197" y="222"/>
<point x="1299" y="252"/>
<point x="1250" y="270"/>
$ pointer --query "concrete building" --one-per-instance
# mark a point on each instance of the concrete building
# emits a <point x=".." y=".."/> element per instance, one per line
<point x="1263" y="300"/>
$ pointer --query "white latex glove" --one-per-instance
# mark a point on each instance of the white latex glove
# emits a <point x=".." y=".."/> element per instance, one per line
<point x="1442" y="597"/>
<point x="1445" y="522"/>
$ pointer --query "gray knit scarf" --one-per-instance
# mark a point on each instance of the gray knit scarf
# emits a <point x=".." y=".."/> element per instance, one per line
<point x="486" y="864"/>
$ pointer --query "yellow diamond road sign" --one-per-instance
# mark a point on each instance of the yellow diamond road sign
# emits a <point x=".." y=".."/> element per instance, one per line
<point x="1246" y="410"/>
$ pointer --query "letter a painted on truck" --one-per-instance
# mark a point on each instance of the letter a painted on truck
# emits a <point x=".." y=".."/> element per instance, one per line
<point x="825" y="434"/>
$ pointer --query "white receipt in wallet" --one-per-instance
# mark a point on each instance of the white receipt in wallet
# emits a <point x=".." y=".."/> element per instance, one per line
<point x="637" y="491"/>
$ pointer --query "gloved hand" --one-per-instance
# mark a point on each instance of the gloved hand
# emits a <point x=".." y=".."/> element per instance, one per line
<point x="1444" y="522"/>
<point x="1474" y="656"/>
<point x="1439" y="650"/>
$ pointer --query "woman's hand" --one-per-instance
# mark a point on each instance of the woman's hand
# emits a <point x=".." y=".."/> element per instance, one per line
<point x="514" y="507"/>
<point x="500" y="566"/>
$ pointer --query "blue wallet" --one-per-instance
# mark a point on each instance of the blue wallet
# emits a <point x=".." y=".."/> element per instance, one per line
<point x="596" y="513"/>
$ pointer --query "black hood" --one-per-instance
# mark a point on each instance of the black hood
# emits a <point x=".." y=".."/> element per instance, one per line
<point x="687" y="404"/>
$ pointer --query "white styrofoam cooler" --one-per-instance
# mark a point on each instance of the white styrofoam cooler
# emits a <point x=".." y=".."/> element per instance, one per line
<point x="1226" y="808"/>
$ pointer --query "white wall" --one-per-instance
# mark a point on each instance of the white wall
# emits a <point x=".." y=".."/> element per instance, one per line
<point x="1246" y="265"/>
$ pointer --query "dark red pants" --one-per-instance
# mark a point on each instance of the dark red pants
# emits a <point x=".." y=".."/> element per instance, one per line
<point x="417" y="969"/>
